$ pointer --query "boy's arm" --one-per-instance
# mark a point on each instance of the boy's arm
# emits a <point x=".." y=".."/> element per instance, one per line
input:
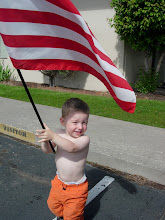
<point x="67" y="145"/>
<point x="46" y="148"/>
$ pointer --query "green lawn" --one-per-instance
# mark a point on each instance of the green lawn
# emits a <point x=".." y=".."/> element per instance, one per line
<point x="148" y="112"/>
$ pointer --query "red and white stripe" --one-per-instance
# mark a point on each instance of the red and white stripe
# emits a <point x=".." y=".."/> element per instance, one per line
<point x="52" y="35"/>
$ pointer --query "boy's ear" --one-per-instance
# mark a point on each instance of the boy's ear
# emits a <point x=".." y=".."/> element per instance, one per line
<point x="62" y="121"/>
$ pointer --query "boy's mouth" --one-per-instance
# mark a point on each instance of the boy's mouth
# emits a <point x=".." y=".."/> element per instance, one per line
<point x="78" y="132"/>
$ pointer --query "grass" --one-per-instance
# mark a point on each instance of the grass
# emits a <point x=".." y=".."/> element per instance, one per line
<point x="148" y="112"/>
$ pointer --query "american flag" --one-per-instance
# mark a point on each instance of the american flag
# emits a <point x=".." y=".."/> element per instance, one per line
<point x="52" y="35"/>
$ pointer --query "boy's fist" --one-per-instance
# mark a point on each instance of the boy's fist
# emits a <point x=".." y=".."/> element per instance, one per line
<point x="44" y="134"/>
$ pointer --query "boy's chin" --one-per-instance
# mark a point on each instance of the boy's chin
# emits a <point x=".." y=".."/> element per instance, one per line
<point x="76" y="135"/>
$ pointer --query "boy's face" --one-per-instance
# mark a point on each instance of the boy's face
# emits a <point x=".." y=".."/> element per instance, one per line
<point x="75" y="124"/>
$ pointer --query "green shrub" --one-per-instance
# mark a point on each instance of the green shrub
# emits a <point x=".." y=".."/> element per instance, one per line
<point x="5" y="73"/>
<point x="147" y="81"/>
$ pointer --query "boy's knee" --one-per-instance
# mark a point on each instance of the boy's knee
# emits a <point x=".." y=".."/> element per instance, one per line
<point x="56" y="209"/>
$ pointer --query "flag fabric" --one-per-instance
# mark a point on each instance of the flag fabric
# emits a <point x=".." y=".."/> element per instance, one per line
<point x="52" y="35"/>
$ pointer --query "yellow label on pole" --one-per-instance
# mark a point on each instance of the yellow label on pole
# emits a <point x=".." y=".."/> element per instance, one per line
<point x="17" y="133"/>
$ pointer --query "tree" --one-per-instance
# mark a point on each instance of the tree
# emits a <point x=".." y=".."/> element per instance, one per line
<point x="141" y="24"/>
<point x="62" y="74"/>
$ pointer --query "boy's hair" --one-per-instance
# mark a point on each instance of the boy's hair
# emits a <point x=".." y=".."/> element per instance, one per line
<point x="74" y="105"/>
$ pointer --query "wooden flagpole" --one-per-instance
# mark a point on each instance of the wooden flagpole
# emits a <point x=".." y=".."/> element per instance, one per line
<point x="32" y="102"/>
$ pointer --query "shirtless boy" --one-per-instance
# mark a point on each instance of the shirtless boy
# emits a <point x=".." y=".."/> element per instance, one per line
<point x="69" y="190"/>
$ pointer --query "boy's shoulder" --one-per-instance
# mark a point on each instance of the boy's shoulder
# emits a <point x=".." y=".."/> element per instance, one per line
<point x="63" y="134"/>
<point x="83" y="140"/>
<point x="61" y="131"/>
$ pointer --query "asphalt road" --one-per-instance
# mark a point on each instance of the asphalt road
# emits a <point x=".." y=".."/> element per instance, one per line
<point x="25" y="174"/>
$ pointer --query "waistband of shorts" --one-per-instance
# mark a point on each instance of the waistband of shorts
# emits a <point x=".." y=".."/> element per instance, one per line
<point x="82" y="180"/>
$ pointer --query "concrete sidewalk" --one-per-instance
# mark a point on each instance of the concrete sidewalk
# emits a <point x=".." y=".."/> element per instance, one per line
<point x="127" y="147"/>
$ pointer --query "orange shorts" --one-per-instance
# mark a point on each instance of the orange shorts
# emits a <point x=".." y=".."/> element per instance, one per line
<point x="68" y="201"/>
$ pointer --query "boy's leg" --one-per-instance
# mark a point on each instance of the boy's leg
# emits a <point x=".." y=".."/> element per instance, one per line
<point x="75" y="204"/>
<point x="54" y="200"/>
<point x="74" y="210"/>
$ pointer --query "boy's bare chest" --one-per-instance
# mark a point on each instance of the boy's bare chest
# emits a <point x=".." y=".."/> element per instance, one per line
<point x="75" y="156"/>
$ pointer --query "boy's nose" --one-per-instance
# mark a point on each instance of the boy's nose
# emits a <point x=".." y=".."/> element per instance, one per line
<point x="80" y="126"/>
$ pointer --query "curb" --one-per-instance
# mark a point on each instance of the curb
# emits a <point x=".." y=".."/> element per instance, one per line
<point x="18" y="133"/>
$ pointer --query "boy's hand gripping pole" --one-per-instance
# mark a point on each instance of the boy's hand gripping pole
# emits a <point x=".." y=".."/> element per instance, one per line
<point x="34" y="107"/>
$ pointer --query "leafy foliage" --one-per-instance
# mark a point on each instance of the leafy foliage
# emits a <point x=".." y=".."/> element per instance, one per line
<point x="5" y="73"/>
<point x="141" y="23"/>
<point x="147" y="81"/>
